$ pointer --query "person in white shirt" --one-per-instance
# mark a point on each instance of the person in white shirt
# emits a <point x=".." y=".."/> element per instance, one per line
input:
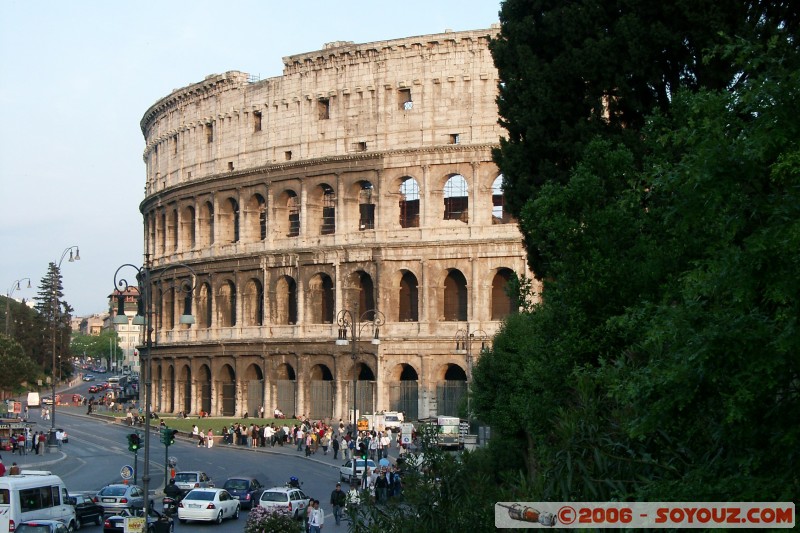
<point x="316" y="518"/>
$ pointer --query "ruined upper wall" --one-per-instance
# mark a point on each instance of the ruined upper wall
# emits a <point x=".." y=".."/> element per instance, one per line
<point x="409" y="93"/>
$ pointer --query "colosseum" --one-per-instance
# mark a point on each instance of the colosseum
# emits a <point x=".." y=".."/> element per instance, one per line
<point x="341" y="225"/>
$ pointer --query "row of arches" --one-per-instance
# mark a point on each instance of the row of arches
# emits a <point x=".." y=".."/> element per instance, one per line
<point x="199" y="225"/>
<point x="320" y="396"/>
<point x="222" y="303"/>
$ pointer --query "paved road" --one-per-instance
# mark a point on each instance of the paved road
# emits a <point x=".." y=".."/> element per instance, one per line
<point x="97" y="450"/>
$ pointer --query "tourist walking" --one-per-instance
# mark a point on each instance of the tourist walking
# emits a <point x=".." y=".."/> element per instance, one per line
<point x="210" y="438"/>
<point x="316" y="518"/>
<point x="338" y="501"/>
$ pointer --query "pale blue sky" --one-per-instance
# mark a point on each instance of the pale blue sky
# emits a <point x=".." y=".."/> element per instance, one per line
<point x="77" y="76"/>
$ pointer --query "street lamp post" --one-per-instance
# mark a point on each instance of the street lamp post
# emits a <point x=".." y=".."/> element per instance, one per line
<point x="355" y="323"/>
<point x="144" y="316"/>
<point x="52" y="444"/>
<point x="464" y="339"/>
<point x="14" y="287"/>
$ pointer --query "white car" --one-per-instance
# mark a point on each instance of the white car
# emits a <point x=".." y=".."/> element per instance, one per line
<point x="210" y="505"/>
<point x="287" y="500"/>
<point x="346" y="471"/>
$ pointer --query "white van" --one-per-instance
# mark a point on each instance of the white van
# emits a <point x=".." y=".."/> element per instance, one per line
<point x="33" y="399"/>
<point x="34" y="495"/>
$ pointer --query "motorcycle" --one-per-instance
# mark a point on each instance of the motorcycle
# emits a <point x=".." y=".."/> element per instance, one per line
<point x="170" y="505"/>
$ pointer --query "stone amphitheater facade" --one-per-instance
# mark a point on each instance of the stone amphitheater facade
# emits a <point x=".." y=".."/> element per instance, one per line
<point x="361" y="179"/>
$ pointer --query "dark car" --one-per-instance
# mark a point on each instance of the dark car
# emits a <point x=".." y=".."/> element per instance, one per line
<point x="42" y="526"/>
<point x="156" y="522"/>
<point x="246" y="489"/>
<point x="86" y="510"/>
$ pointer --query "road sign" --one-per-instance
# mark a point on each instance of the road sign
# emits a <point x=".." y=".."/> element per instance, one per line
<point x="126" y="472"/>
<point x="406" y="433"/>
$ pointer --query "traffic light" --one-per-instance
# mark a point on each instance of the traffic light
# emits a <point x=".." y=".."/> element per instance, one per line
<point x="168" y="436"/>
<point x="362" y="450"/>
<point x="133" y="442"/>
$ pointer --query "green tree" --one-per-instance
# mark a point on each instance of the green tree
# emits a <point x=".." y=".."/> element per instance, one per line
<point x="53" y="317"/>
<point x="663" y="353"/>
<point x="17" y="367"/>
<point x="100" y="347"/>
<point x="570" y="71"/>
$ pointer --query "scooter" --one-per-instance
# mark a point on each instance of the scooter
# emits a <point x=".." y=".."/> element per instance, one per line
<point x="170" y="506"/>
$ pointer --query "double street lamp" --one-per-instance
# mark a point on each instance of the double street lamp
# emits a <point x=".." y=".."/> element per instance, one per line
<point x="52" y="443"/>
<point x="354" y="323"/>
<point x="14" y="287"/>
<point x="464" y="339"/>
<point x="144" y="317"/>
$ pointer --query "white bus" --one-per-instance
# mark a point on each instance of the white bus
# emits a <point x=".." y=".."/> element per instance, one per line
<point x="34" y="495"/>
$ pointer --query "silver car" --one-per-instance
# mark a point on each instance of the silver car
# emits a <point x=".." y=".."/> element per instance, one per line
<point x="118" y="498"/>
<point x="188" y="480"/>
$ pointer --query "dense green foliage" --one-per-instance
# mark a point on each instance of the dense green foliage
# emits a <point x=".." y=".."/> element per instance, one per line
<point x="17" y="367"/>
<point x="98" y="347"/>
<point x="55" y="322"/>
<point x="662" y="361"/>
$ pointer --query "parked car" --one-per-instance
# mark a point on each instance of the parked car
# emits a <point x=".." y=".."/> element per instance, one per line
<point x="118" y="498"/>
<point x="116" y="523"/>
<point x="188" y="480"/>
<point x="208" y="505"/>
<point x="41" y="526"/>
<point x="346" y="471"/>
<point x="244" y="488"/>
<point x="86" y="509"/>
<point x="290" y="500"/>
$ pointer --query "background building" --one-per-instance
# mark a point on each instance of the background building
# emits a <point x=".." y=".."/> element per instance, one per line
<point x="361" y="178"/>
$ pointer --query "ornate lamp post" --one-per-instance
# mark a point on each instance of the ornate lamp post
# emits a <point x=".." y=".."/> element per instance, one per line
<point x="52" y="444"/>
<point x="144" y="316"/>
<point x="14" y="287"/>
<point x="464" y="339"/>
<point x="355" y="323"/>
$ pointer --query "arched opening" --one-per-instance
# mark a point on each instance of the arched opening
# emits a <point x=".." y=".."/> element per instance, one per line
<point x="366" y="206"/>
<point x="293" y="212"/>
<point x="408" y="302"/>
<point x="253" y="303"/>
<point x="204" y="306"/>
<point x="285" y="301"/>
<point x="404" y="391"/>
<point x="286" y="384"/>
<point x="499" y="213"/>
<point x="409" y="203"/>
<point x="256" y="218"/>
<point x="328" y="226"/>
<point x="451" y="391"/>
<point x="189" y="240"/>
<point x="502" y="303"/>
<point x="365" y="389"/>
<point x="456" y="199"/>
<point x="227" y="379"/>
<point x="204" y="384"/>
<point x="229" y="220"/>
<point x="186" y="379"/>
<point x="254" y="378"/>
<point x="364" y="290"/>
<point x="321" y="391"/>
<point x="162" y="249"/>
<point x="455" y="296"/>
<point x="320" y="300"/>
<point x="227" y="304"/>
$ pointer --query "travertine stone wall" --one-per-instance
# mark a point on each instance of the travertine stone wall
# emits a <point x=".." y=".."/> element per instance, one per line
<point x="291" y="199"/>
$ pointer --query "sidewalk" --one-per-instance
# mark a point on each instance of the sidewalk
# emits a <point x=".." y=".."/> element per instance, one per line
<point x="285" y="450"/>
